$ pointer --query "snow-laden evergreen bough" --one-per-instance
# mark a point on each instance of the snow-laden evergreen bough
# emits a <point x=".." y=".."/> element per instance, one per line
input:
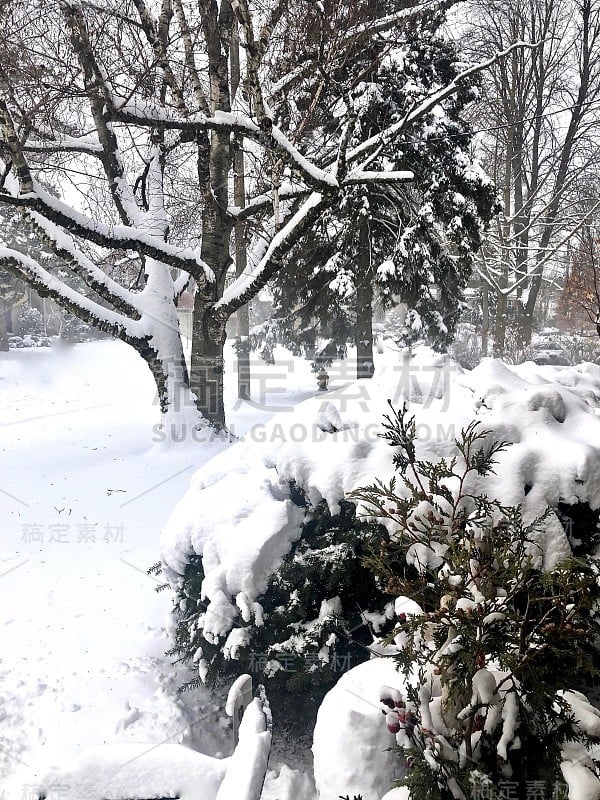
<point x="120" y="137"/>
<point x="314" y="620"/>
<point x="493" y="648"/>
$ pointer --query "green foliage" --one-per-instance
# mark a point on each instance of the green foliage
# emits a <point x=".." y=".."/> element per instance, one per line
<point x="302" y="642"/>
<point x="422" y="236"/>
<point x="499" y="635"/>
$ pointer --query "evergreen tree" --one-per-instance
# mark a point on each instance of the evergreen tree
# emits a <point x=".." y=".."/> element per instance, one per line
<point x="409" y="243"/>
<point x="320" y="612"/>
<point x="31" y="321"/>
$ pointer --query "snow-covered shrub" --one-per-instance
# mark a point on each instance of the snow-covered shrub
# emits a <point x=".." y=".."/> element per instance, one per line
<point x="578" y="347"/>
<point x="35" y="340"/>
<point x="238" y="519"/>
<point x="494" y="648"/>
<point x="319" y="614"/>
<point x="30" y="340"/>
<point x="30" y="321"/>
<point x="76" y="330"/>
<point x="466" y="347"/>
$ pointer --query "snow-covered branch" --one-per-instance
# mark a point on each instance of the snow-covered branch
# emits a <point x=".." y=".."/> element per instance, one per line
<point x="489" y="274"/>
<point x="152" y="116"/>
<point x="94" y="80"/>
<point x="398" y="18"/>
<point x="253" y="59"/>
<point x="247" y="286"/>
<point x="151" y="31"/>
<point x="358" y="176"/>
<point x="49" y="286"/>
<point x="64" y="247"/>
<point x="86" y="145"/>
<point x="180" y="283"/>
<point x="190" y="58"/>
<point x="433" y="100"/>
<point x="287" y="191"/>
<point x="360" y="32"/>
<point x="10" y="140"/>
<point x="122" y="237"/>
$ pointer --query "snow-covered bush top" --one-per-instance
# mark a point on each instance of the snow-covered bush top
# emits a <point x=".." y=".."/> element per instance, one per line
<point x="238" y="514"/>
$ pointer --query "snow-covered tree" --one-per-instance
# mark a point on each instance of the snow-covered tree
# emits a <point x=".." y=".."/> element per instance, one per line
<point x="31" y="320"/>
<point x="319" y="613"/>
<point x="539" y="136"/>
<point x="129" y="113"/>
<point x="411" y="243"/>
<point x="579" y="304"/>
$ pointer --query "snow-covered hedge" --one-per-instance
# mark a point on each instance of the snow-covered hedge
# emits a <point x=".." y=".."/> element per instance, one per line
<point x="239" y="520"/>
<point x="316" y="616"/>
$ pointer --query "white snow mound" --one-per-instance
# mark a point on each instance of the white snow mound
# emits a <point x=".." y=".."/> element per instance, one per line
<point x="114" y="772"/>
<point x="351" y="742"/>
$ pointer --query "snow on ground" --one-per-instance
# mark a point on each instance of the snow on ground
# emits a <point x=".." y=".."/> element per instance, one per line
<point x="166" y="769"/>
<point x="130" y="770"/>
<point x="350" y="733"/>
<point x="86" y="486"/>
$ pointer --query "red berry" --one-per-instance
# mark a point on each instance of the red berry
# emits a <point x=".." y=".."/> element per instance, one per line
<point x="392" y="722"/>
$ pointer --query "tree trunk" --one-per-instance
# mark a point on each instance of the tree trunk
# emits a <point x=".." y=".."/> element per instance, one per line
<point x="241" y="261"/>
<point x="520" y="225"/>
<point x="588" y="34"/>
<point x="3" y="332"/>
<point x="208" y="332"/>
<point x="162" y="349"/>
<point x="241" y="264"/>
<point x="485" y="321"/>
<point x="208" y="364"/>
<point x="171" y="377"/>
<point x="500" y="326"/>
<point x="509" y="82"/>
<point x="364" y="308"/>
